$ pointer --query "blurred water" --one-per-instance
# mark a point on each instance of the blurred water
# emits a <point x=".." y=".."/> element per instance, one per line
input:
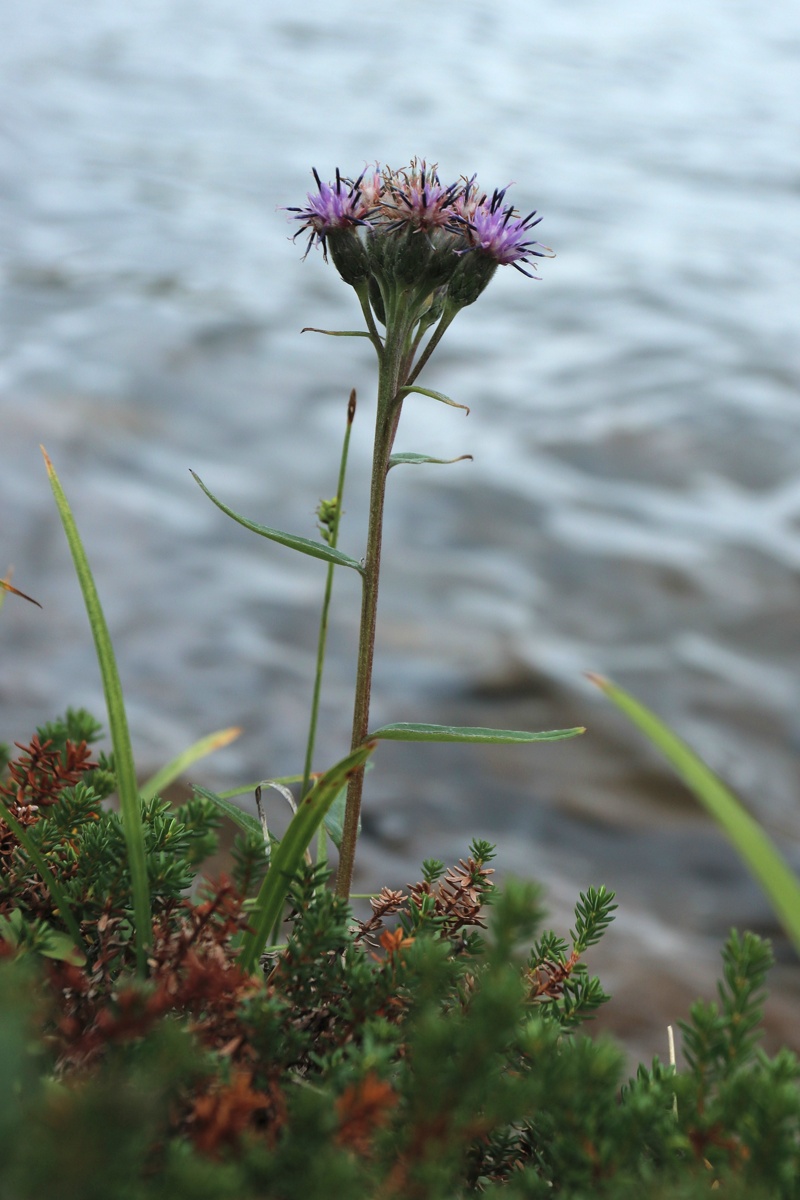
<point x="634" y="503"/>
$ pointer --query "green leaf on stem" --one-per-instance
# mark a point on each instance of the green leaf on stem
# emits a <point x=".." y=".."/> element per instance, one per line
<point x="433" y="395"/>
<point x="304" y="545"/>
<point x="127" y="787"/>
<point x="337" y="332"/>
<point x="397" y="460"/>
<point x="755" y="848"/>
<point x="172" y="770"/>
<point x="287" y="857"/>
<point x="405" y="732"/>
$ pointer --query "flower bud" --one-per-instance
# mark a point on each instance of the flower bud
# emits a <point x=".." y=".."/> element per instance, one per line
<point x="349" y="255"/>
<point x="472" y="274"/>
<point x="412" y="253"/>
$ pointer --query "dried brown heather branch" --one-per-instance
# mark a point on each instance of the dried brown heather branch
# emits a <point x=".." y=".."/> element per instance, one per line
<point x="40" y="772"/>
<point x="547" y="980"/>
<point x="458" y="897"/>
<point x="385" y="904"/>
<point x="193" y="973"/>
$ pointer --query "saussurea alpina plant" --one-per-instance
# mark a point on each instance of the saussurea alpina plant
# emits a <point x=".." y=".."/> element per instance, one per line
<point x="416" y="252"/>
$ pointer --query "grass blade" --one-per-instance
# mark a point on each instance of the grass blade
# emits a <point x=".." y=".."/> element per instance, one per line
<point x="287" y="857"/>
<point x="169" y="773"/>
<point x="127" y="789"/>
<point x="754" y="847"/>
<point x="304" y="545"/>
<point x="405" y="732"/>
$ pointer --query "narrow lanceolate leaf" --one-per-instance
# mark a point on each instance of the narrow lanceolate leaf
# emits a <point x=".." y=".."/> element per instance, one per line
<point x="397" y="460"/>
<point x="337" y="332"/>
<point x="755" y="848"/>
<point x="174" y="769"/>
<point x="244" y="820"/>
<point x="127" y="789"/>
<point x="434" y="396"/>
<point x="304" y="545"/>
<point x="404" y="732"/>
<point x="48" y="878"/>
<point x="288" y="856"/>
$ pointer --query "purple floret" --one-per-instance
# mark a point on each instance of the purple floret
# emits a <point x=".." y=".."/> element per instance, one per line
<point x="335" y="206"/>
<point x="502" y="235"/>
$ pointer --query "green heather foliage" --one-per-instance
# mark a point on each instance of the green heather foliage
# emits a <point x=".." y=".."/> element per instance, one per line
<point x="435" y="1050"/>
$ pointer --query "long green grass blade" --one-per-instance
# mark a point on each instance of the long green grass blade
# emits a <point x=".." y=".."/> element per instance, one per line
<point x="127" y="789"/>
<point x="286" y="859"/>
<point x="404" y="732"/>
<point x="48" y="878"/>
<point x="174" y="769"/>
<point x="304" y="545"/>
<point x="755" y="848"/>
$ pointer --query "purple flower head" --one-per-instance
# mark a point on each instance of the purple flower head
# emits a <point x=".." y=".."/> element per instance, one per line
<point x="417" y="198"/>
<point x="499" y="232"/>
<point x="340" y="205"/>
<point x="404" y="230"/>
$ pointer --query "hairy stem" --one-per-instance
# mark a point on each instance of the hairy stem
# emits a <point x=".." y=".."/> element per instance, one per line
<point x="390" y="380"/>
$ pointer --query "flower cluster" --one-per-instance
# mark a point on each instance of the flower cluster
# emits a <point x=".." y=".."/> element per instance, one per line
<point x="388" y="227"/>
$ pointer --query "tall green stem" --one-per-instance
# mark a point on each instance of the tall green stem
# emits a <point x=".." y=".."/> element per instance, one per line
<point x="391" y="369"/>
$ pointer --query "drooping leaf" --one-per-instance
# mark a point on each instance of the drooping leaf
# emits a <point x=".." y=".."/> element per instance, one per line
<point x="440" y="396"/>
<point x="397" y="460"/>
<point x="304" y="545"/>
<point x="246" y="789"/>
<point x="753" y="845"/>
<point x="127" y="787"/>
<point x="404" y="731"/>
<point x="287" y="857"/>
<point x="169" y="773"/>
